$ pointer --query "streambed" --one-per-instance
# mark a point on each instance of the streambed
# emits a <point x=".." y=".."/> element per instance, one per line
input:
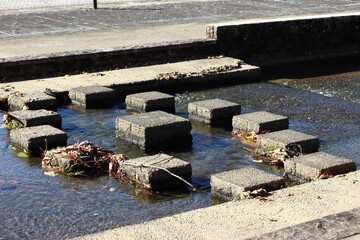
<point x="38" y="206"/>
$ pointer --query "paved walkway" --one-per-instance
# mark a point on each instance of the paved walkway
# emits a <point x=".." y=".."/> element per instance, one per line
<point x="45" y="31"/>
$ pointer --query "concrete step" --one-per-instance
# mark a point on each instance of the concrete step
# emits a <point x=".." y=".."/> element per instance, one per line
<point x="216" y="70"/>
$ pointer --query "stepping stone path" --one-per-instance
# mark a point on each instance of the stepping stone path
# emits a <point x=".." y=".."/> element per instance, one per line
<point x="38" y="139"/>
<point x="156" y="130"/>
<point x="290" y="140"/>
<point x="313" y="165"/>
<point x="232" y="184"/>
<point x="214" y="111"/>
<point x="92" y="96"/>
<point x="32" y="102"/>
<point x="259" y="122"/>
<point x="150" y="101"/>
<point x="148" y="171"/>
<point x="30" y="118"/>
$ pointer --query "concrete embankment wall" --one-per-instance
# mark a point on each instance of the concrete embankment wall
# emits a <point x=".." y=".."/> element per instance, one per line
<point x="276" y="41"/>
<point x="103" y="59"/>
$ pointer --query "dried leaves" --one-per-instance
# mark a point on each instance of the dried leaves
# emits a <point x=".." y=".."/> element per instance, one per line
<point x="82" y="156"/>
<point x="256" y="194"/>
<point x="212" y="70"/>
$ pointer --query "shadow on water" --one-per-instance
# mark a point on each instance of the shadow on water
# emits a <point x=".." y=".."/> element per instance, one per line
<point x="38" y="206"/>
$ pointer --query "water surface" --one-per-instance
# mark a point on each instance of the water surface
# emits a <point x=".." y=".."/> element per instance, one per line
<point x="38" y="206"/>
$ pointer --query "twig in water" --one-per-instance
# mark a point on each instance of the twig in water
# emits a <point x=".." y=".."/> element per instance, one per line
<point x="161" y="168"/>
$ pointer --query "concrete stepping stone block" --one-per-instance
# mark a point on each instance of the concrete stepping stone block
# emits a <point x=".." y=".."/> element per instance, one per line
<point x="92" y="96"/>
<point x="289" y="139"/>
<point x="311" y="166"/>
<point x="155" y="130"/>
<point x="34" y="101"/>
<point x="31" y="118"/>
<point x="231" y="184"/>
<point x="147" y="171"/>
<point x="213" y="111"/>
<point x="150" y="101"/>
<point x="259" y="122"/>
<point x="34" y="139"/>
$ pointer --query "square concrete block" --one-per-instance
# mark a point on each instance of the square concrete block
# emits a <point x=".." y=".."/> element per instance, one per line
<point x="313" y="165"/>
<point x="231" y="184"/>
<point x="146" y="171"/>
<point x="259" y="122"/>
<point x="289" y="139"/>
<point x="155" y="130"/>
<point x="33" y="138"/>
<point x="31" y="118"/>
<point x="150" y="101"/>
<point x="32" y="102"/>
<point x="92" y="96"/>
<point x="214" y="111"/>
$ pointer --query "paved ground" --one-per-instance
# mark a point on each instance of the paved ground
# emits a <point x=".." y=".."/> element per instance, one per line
<point x="47" y="30"/>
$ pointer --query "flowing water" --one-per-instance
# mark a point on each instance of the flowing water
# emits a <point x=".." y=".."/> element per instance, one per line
<point x="37" y="206"/>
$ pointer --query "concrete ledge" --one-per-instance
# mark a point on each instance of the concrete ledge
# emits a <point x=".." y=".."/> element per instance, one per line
<point x="291" y="140"/>
<point x="200" y="72"/>
<point x="311" y="166"/>
<point x="30" y="118"/>
<point x="34" y="101"/>
<point x="259" y="122"/>
<point x="213" y="111"/>
<point x="155" y="130"/>
<point x="37" y="139"/>
<point x="146" y="171"/>
<point x="150" y="101"/>
<point x="231" y="184"/>
<point x="92" y="96"/>
<point x="284" y="40"/>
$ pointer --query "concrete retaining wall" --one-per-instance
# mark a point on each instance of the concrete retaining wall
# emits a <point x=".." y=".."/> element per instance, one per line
<point x="103" y="59"/>
<point x="275" y="41"/>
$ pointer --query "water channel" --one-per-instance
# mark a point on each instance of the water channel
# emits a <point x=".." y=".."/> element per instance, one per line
<point x="38" y="206"/>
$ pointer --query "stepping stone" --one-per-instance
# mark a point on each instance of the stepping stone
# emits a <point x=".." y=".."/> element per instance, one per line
<point x="156" y="130"/>
<point x="92" y="96"/>
<point x="30" y="118"/>
<point x="33" y="138"/>
<point x="231" y="184"/>
<point x="290" y="140"/>
<point x="259" y="122"/>
<point x="311" y="166"/>
<point x="150" y="101"/>
<point x="145" y="170"/>
<point x="213" y="111"/>
<point x="34" y="101"/>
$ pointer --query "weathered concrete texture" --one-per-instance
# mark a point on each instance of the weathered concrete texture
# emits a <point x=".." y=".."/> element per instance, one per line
<point x="150" y="101"/>
<point x="37" y="100"/>
<point x="214" y="111"/>
<point x="259" y="122"/>
<point x="282" y="40"/>
<point x="30" y="118"/>
<point x="231" y="184"/>
<point x="313" y="165"/>
<point x="289" y="139"/>
<point x="337" y="226"/>
<point x="39" y="138"/>
<point x="147" y="171"/>
<point x="200" y="72"/>
<point x="155" y="130"/>
<point x="92" y="96"/>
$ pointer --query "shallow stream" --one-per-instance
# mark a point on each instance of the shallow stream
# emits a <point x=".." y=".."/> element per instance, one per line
<point x="38" y="206"/>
